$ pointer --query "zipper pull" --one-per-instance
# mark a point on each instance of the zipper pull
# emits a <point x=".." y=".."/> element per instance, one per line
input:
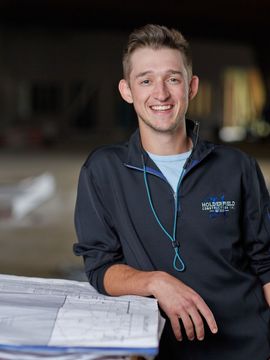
<point x="175" y="244"/>
<point x="176" y="202"/>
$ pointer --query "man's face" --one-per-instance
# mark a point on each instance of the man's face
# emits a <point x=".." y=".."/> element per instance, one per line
<point x="159" y="88"/>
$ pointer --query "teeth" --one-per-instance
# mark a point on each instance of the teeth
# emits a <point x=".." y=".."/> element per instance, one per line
<point x="161" y="107"/>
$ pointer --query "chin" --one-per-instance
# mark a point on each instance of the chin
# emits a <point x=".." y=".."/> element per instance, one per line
<point x="165" y="130"/>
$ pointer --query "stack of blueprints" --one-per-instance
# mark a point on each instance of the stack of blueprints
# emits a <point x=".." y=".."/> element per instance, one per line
<point x="65" y="319"/>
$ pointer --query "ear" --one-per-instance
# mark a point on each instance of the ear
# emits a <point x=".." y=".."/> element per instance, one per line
<point x="125" y="91"/>
<point x="193" y="87"/>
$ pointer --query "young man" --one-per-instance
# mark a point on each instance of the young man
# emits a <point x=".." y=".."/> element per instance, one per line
<point x="171" y="216"/>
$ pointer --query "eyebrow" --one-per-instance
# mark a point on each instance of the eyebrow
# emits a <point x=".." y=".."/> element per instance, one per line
<point x="147" y="72"/>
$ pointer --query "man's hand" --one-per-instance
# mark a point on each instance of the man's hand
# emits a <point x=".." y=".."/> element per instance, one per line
<point x="175" y="298"/>
<point x="179" y="301"/>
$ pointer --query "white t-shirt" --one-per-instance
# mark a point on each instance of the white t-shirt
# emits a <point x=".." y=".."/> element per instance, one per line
<point x="171" y="166"/>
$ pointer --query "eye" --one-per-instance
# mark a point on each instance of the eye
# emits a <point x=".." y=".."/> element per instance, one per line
<point x="145" y="82"/>
<point x="174" y="80"/>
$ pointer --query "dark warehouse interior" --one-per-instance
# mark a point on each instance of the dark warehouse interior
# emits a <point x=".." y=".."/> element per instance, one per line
<point x="60" y="59"/>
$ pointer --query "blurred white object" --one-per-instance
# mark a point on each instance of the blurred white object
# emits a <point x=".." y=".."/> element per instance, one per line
<point x="19" y="199"/>
<point x="232" y="133"/>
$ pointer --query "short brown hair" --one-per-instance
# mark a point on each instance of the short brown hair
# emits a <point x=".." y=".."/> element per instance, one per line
<point x="156" y="37"/>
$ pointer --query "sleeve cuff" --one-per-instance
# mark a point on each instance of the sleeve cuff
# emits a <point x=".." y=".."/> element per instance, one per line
<point x="98" y="277"/>
<point x="265" y="277"/>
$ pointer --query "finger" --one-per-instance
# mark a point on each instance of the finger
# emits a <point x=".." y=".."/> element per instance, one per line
<point x="198" y="323"/>
<point x="176" y="328"/>
<point x="208" y="315"/>
<point x="188" y="325"/>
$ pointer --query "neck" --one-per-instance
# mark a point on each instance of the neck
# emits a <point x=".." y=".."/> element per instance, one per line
<point x="170" y="143"/>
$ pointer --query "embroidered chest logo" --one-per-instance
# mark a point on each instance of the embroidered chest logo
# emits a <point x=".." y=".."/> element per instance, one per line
<point x="218" y="206"/>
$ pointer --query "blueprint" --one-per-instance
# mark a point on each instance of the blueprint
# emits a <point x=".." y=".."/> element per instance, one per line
<point x="52" y="316"/>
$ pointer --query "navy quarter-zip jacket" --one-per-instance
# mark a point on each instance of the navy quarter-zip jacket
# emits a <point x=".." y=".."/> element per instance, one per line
<point x="223" y="228"/>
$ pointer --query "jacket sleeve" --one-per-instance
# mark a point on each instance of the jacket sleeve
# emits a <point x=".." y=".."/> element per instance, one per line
<point x="257" y="223"/>
<point x="97" y="241"/>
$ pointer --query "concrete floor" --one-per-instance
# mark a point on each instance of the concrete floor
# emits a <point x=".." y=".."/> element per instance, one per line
<point x="41" y="243"/>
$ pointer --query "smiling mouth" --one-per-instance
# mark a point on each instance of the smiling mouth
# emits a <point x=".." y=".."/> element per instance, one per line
<point x="161" y="107"/>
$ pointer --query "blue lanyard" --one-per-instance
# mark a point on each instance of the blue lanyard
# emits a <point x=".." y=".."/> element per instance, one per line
<point x="178" y="263"/>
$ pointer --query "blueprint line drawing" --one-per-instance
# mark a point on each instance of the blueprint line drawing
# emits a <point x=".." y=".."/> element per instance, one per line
<point x="64" y="315"/>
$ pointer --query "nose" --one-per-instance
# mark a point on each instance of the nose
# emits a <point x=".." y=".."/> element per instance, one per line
<point x="161" y="91"/>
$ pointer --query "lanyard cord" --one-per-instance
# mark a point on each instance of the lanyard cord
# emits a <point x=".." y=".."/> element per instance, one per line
<point x="175" y="243"/>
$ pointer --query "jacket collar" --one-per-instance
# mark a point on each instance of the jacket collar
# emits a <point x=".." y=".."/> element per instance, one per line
<point x="136" y="151"/>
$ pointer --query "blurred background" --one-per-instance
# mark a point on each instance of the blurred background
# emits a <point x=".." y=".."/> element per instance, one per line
<point x="60" y="63"/>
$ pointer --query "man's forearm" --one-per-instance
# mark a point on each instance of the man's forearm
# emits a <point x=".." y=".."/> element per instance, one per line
<point x="122" y="279"/>
<point x="266" y="290"/>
